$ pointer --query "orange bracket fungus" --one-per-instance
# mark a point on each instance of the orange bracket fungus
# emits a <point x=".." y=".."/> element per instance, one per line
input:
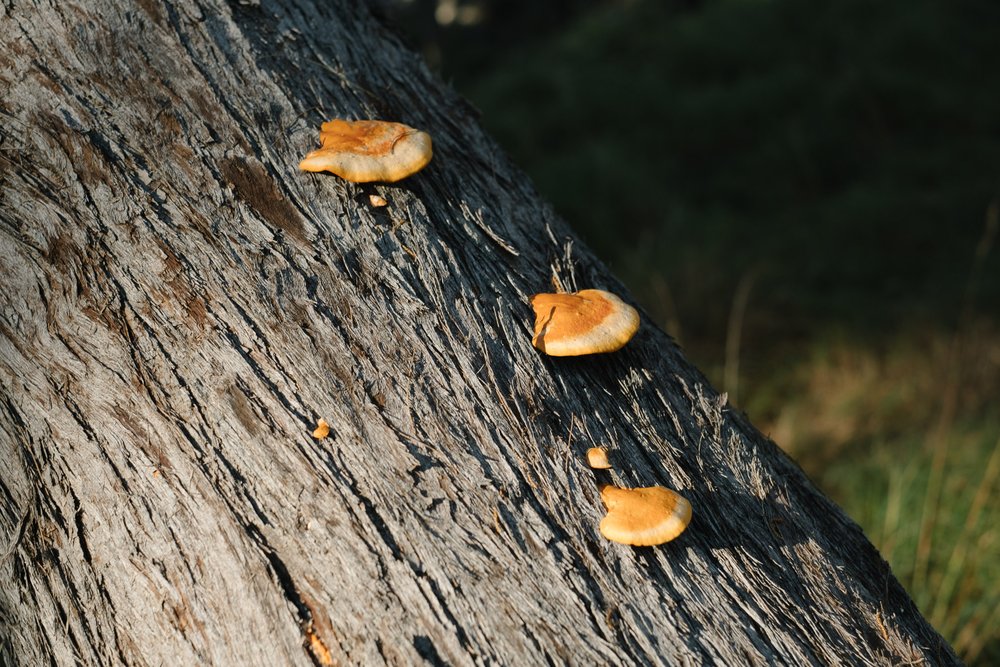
<point x="322" y="429"/>
<point x="597" y="458"/>
<point x="584" y="322"/>
<point x="369" y="150"/>
<point x="644" y="517"/>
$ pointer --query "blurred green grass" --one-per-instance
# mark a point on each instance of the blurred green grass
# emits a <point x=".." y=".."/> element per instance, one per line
<point x="804" y="193"/>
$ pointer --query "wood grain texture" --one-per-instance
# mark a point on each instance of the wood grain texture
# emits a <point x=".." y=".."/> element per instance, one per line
<point x="181" y="306"/>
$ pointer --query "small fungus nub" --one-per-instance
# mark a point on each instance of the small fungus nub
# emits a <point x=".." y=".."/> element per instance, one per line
<point x="322" y="429"/>
<point x="597" y="458"/>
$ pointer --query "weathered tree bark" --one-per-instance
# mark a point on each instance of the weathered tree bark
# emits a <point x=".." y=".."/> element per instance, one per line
<point x="181" y="305"/>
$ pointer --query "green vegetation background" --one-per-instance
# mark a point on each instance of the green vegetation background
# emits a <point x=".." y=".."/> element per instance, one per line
<point x="805" y="194"/>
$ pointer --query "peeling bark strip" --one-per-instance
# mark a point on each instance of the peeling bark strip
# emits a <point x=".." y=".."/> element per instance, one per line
<point x="181" y="306"/>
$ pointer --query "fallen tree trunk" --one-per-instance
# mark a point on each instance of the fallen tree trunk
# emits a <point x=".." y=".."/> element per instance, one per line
<point x="182" y="305"/>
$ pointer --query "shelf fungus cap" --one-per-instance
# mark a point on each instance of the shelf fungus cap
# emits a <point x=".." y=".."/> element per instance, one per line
<point x="585" y="322"/>
<point x="597" y="458"/>
<point x="369" y="150"/>
<point x="644" y="517"/>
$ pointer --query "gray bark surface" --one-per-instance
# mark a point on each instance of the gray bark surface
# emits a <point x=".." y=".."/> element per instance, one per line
<point x="181" y="304"/>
